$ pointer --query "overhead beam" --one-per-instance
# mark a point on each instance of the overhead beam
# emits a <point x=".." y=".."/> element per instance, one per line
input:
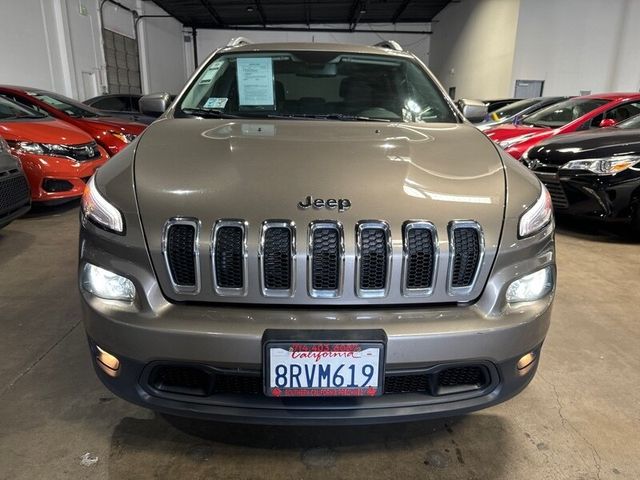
<point x="400" y="10"/>
<point x="240" y="28"/>
<point x="260" y="10"/>
<point x="212" y="11"/>
<point x="357" y="9"/>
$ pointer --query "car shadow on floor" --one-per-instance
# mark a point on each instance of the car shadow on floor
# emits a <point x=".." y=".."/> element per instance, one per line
<point x="168" y="447"/>
<point x="595" y="230"/>
<point x="45" y="210"/>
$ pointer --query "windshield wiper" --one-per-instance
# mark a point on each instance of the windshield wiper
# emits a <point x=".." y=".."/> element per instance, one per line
<point x="208" y="113"/>
<point x="330" y="116"/>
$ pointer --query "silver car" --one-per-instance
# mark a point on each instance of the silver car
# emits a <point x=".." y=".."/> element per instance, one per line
<point x="313" y="234"/>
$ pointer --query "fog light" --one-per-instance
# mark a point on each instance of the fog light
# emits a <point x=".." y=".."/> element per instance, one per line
<point x="105" y="284"/>
<point x="107" y="362"/>
<point x="526" y="360"/>
<point x="531" y="287"/>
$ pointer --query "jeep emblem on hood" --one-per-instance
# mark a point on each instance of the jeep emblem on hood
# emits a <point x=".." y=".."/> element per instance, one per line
<point x="342" y="204"/>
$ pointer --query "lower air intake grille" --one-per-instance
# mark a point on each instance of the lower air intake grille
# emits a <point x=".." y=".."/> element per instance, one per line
<point x="180" y="253"/>
<point x="461" y="376"/>
<point x="325" y="266"/>
<point x="558" y="195"/>
<point x="229" y="257"/>
<point x="466" y="256"/>
<point x="277" y="258"/>
<point x="14" y="193"/>
<point x="420" y="258"/>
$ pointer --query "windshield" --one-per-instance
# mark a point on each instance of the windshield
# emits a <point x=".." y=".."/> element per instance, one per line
<point x="329" y="85"/>
<point x="514" y="108"/>
<point x="559" y="114"/>
<point x="633" y="122"/>
<point x="68" y="106"/>
<point x="11" y="111"/>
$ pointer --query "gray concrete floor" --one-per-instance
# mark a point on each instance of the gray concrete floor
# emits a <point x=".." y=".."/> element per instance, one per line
<point x="579" y="418"/>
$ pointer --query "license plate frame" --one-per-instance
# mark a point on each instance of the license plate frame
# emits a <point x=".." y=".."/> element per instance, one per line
<point x="334" y="341"/>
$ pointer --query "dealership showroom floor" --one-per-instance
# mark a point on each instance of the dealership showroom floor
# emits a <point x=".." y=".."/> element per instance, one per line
<point x="320" y="239"/>
<point x="578" y="419"/>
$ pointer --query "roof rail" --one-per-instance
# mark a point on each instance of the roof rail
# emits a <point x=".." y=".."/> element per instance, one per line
<point x="390" y="44"/>
<point x="238" y="42"/>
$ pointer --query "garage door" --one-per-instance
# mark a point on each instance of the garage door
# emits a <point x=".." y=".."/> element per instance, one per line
<point x="123" y="63"/>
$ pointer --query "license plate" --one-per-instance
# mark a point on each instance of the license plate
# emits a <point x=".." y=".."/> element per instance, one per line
<point x="321" y="369"/>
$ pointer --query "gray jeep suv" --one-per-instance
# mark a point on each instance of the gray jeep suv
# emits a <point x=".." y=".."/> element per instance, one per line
<point x="313" y="234"/>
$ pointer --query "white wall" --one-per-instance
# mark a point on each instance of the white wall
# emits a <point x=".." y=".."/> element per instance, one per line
<point x="576" y="45"/>
<point x="209" y="40"/>
<point x="57" y="45"/>
<point x="472" y="47"/>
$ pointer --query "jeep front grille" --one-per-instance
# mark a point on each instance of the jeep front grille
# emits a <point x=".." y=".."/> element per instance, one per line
<point x="371" y="273"/>
<point x="465" y="254"/>
<point x="180" y="250"/>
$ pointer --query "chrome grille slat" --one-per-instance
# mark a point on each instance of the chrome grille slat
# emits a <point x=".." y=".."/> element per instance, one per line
<point x="420" y="258"/>
<point x="325" y="264"/>
<point x="373" y="258"/>
<point x="180" y="249"/>
<point x="277" y="258"/>
<point x="229" y="257"/>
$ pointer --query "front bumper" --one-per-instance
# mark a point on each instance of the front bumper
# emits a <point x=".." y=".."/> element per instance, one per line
<point x="611" y="197"/>
<point x="229" y="338"/>
<point x="40" y="168"/>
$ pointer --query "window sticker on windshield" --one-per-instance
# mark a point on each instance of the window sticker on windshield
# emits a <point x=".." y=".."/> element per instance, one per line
<point x="210" y="73"/>
<point x="255" y="81"/>
<point x="215" y="102"/>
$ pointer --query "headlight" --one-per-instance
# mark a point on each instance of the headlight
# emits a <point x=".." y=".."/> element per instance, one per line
<point x="96" y="208"/>
<point x="531" y="287"/>
<point x="538" y="215"/>
<point x="105" y="284"/>
<point x="603" y="166"/>
<point x="28" y="147"/>
<point x="124" y="137"/>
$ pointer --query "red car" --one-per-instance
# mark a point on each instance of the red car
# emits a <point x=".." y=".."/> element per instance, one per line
<point x="56" y="157"/>
<point x="111" y="133"/>
<point x="573" y="115"/>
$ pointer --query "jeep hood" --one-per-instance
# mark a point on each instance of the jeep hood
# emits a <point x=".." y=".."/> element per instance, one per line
<point x="258" y="170"/>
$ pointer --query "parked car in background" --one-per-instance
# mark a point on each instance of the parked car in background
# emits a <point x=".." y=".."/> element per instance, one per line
<point x="573" y="115"/>
<point x="56" y="157"/>
<point x="15" y="198"/>
<point x="594" y="173"/>
<point x="514" y="112"/>
<point x="493" y="105"/>
<point x="121" y="105"/>
<point x="113" y="134"/>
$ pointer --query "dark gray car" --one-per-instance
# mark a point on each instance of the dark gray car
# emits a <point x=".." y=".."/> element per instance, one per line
<point x="312" y="233"/>
<point x="121" y="105"/>
<point x="15" y="196"/>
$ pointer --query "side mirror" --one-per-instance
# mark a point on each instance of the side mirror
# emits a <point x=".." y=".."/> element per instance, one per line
<point x="154" y="104"/>
<point x="473" y="110"/>
<point x="607" y="122"/>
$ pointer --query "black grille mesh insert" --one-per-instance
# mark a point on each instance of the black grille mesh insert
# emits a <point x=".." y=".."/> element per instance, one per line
<point x="420" y="258"/>
<point x="180" y="253"/>
<point x="14" y="193"/>
<point x="558" y="195"/>
<point x="277" y="258"/>
<point x="325" y="267"/>
<point x="406" y="384"/>
<point x="373" y="259"/>
<point x="229" y="257"/>
<point x="466" y="257"/>
<point x="459" y="376"/>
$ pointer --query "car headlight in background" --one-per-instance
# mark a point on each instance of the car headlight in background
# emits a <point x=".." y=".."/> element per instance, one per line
<point x="96" y="208"/>
<point x="124" y="137"/>
<point x="603" y="166"/>
<point x="105" y="284"/>
<point x="531" y="287"/>
<point x="538" y="216"/>
<point x="28" y="147"/>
